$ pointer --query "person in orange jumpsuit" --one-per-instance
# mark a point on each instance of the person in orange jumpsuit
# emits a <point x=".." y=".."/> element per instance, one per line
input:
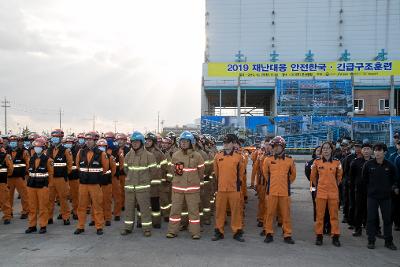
<point x="92" y="164"/>
<point x="73" y="180"/>
<point x="16" y="181"/>
<point x="326" y="174"/>
<point x="6" y="168"/>
<point x="229" y="170"/>
<point x="123" y="148"/>
<point x="58" y="184"/>
<point x="41" y="170"/>
<point x="279" y="171"/>
<point x="113" y="149"/>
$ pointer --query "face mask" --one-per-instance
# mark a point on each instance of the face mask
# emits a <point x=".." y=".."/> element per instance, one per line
<point x="38" y="150"/>
<point x="27" y="144"/>
<point x="337" y="145"/>
<point x="55" y="140"/>
<point x="353" y="151"/>
<point x="81" y="141"/>
<point x="115" y="143"/>
<point x="69" y="146"/>
<point x="102" y="148"/>
<point x="13" y="144"/>
<point x="110" y="143"/>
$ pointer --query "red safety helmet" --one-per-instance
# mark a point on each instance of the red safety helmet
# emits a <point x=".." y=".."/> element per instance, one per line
<point x="14" y="137"/>
<point x="278" y="140"/>
<point x="33" y="136"/>
<point x="92" y="135"/>
<point x="109" y="135"/>
<point x="57" y="133"/>
<point x="120" y="136"/>
<point x="69" y="139"/>
<point x="39" y="142"/>
<point x="101" y="142"/>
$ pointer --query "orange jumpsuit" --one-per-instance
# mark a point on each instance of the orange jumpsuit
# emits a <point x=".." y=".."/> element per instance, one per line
<point x="327" y="175"/>
<point x="106" y="188"/>
<point x="90" y="174"/>
<point x="58" y="185"/>
<point x="17" y="179"/>
<point x="254" y="157"/>
<point x="41" y="170"/>
<point x="279" y="173"/>
<point x="260" y="186"/>
<point x="229" y="170"/>
<point x="6" y="169"/>
<point x="116" y="185"/>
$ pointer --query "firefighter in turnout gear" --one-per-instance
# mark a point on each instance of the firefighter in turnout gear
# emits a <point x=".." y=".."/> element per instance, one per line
<point x="326" y="174"/>
<point x="165" y="188"/>
<point x="40" y="173"/>
<point x="58" y="186"/>
<point x="141" y="168"/>
<point x="229" y="170"/>
<point x="92" y="164"/>
<point x="162" y="165"/>
<point x="280" y="172"/>
<point x="16" y="181"/>
<point x="6" y="169"/>
<point x="188" y="172"/>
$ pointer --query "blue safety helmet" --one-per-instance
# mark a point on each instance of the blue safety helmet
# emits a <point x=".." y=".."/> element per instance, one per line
<point x="188" y="136"/>
<point x="137" y="136"/>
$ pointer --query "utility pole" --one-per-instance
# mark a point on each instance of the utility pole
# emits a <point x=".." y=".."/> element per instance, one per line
<point x="5" y="106"/>
<point x="158" y="122"/>
<point x="115" y="126"/>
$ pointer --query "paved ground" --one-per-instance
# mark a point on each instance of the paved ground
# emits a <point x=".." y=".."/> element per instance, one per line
<point x="59" y="247"/>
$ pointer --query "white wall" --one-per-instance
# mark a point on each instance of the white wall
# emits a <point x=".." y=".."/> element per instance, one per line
<point x="300" y="25"/>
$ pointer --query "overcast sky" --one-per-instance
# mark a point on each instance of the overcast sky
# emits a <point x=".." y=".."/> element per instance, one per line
<point x="121" y="60"/>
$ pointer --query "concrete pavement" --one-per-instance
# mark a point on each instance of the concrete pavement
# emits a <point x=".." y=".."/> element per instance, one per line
<point x="59" y="247"/>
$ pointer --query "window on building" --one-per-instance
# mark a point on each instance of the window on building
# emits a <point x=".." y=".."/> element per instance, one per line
<point x="358" y="105"/>
<point x="383" y="104"/>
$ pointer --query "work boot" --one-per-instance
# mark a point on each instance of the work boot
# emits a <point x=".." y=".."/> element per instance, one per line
<point x="67" y="222"/>
<point x="50" y="221"/>
<point x="269" y="238"/>
<point x="371" y="245"/>
<point x="319" y="239"/>
<point x="24" y="216"/>
<point x="31" y="230"/>
<point x="147" y="233"/>
<point x="195" y="237"/>
<point x="259" y="224"/>
<point x="125" y="232"/>
<point x="335" y="241"/>
<point x="59" y="217"/>
<point x="74" y="216"/>
<point x="99" y="231"/>
<point x="91" y="223"/>
<point x="123" y="208"/>
<point x="171" y="235"/>
<point x="390" y="245"/>
<point x="7" y="221"/>
<point x="288" y="240"/>
<point x="79" y="231"/>
<point x="108" y="223"/>
<point x="357" y="232"/>
<point x="117" y="218"/>
<point x="239" y="236"/>
<point x="217" y="235"/>
<point x="42" y="230"/>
